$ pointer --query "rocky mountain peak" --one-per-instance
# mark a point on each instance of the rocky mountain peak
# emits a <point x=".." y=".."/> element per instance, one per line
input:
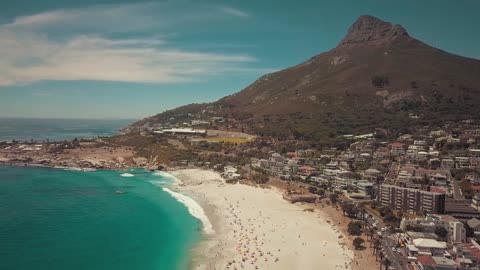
<point x="371" y="30"/>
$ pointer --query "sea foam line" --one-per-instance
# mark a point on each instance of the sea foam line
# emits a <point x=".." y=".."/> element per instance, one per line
<point x="175" y="180"/>
<point x="193" y="208"/>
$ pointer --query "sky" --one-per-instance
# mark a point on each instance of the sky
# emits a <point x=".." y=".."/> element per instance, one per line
<point x="118" y="59"/>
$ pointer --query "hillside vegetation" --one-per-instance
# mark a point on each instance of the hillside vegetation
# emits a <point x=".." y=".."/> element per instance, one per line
<point x="378" y="76"/>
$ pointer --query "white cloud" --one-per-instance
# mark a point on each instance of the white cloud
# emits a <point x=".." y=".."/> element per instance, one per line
<point x="125" y="17"/>
<point x="29" y="53"/>
<point x="235" y="12"/>
<point x="30" y="58"/>
<point x="101" y="18"/>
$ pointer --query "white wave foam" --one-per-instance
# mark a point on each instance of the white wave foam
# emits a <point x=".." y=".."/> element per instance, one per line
<point x="157" y="183"/>
<point x="127" y="175"/>
<point x="175" y="180"/>
<point x="77" y="169"/>
<point x="194" y="209"/>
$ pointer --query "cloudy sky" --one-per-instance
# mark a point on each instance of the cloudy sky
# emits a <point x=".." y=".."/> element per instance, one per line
<point x="131" y="59"/>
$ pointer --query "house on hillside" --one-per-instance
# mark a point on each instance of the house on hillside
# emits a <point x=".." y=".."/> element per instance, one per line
<point x="397" y="149"/>
<point x="371" y="174"/>
<point x="474" y="223"/>
<point x="307" y="170"/>
<point x="230" y="173"/>
<point x="447" y="163"/>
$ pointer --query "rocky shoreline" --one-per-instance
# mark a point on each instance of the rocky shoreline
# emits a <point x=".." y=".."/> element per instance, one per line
<point x="87" y="155"/>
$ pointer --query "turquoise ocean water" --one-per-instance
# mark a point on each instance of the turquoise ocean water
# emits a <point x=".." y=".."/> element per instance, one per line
<point x="58" y="219"/>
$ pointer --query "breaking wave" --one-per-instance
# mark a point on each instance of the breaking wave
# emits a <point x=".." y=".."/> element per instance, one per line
<point x="174" y="180"/>
<point x="193" y="208"/>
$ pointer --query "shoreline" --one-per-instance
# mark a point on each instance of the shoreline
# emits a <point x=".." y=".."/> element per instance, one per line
<point x="254" y="231"/>
<point x="239" y="216"/>
<point x="86" y="155"/>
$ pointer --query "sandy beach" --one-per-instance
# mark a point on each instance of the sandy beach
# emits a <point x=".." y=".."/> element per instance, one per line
<point x="256" y="229"/>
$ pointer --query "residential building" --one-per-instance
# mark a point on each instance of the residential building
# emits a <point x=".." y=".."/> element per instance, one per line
<point x="411" y="200"/>
<point x="447" y="163"/>
<point x="306" y="170"/>
<point x="397" y="149"/>
<point x="423" y="246"/>
<point x="462" y="162"/>
<point x="461" y="209"/>
<point x="456" y="232"/>
<point x="475" y="153"/>
<point x="474" y="223"/>
<point x="456" y="229"/>
<point x="230" y="173"/>
<point x="365" y="188"/>
<point x="371" y="175"/>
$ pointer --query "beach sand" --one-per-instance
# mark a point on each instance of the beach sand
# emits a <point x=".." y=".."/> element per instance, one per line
<point x="256" y="228"/>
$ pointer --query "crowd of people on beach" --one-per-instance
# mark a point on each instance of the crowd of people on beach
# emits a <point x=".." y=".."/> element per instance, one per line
<point x="256" y="229"/>
<point x="249" y="243"/>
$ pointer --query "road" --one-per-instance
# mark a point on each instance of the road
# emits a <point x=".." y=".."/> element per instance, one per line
<point x="392" y="172"/>
<point x="398" y="261"/>
<point x="389" y="241"/>
<point x="457" y="193"/>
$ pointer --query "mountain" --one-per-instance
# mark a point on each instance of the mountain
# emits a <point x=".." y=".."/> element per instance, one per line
<point x="377" y="76"/>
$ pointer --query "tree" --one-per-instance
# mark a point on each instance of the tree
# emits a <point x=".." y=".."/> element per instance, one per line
<point x="469" y="231"/>
<point x="389" y="216"/>
<point x="376" y="246"/>
<point x="333" y="198"/>
<point x="381" y="255"/>
<point x="260" y="178"/>
<point x="355" y="228"/>
<point x="76" y="142"/>
<point x="441" y="232"/>
<point x="371" y="232"/>
<point x="414" y="228"/>
<point x="361" y="208"/>
<point x="358" y="242"/>
<point x="350" y="210"/>
<point x="380" y="81"/>
<point x="313" y="190"/>
<point x="386" y="262"/>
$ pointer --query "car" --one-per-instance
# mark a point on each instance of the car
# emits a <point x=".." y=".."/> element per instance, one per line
<point x="393" y="249"/>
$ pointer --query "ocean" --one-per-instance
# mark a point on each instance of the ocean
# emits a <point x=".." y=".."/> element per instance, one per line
<point x="60" y="219"/>
<point x="24" y="129"/>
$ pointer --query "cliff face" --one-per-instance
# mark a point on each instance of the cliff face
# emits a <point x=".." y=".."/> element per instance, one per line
<point x="368" y="30"/>
<point x="377" y="76"/>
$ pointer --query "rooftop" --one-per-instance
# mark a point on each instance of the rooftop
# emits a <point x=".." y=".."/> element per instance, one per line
<point x="443" y="261"/>
<point x="428" y="243"/>
<point x="397" y="144"/>
<point x="426" y="260"/>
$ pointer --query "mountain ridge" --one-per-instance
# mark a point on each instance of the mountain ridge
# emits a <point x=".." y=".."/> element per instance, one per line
<point x="377" y="76"/>
<point x="371" y="30"/>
